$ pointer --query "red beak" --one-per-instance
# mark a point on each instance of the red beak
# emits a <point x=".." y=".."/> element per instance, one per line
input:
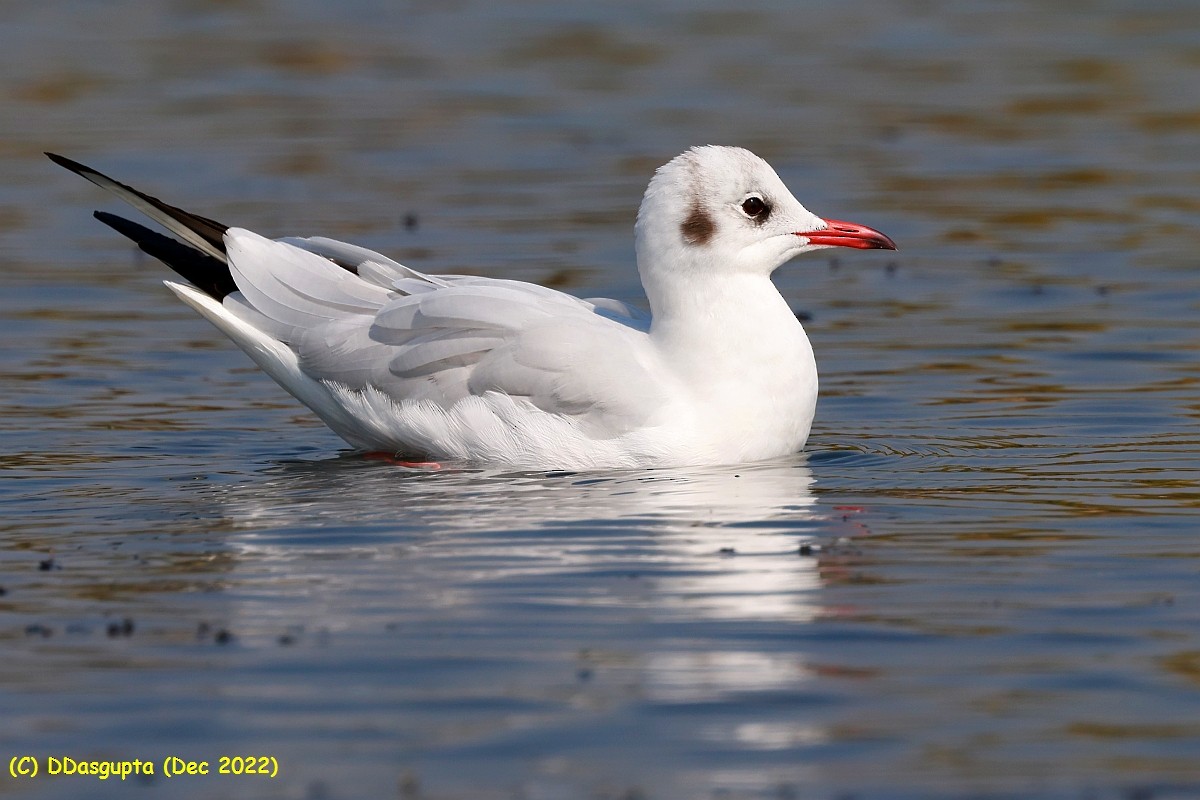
<point x="848" y="234"/>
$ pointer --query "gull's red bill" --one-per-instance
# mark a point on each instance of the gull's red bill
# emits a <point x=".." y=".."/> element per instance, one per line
<point x="849" y="234"/>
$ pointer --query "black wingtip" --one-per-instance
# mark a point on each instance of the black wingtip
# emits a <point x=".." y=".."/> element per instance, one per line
<point x="206" y="273"/>
<point x="67" y="163"/>
<point x="202" y="232"/>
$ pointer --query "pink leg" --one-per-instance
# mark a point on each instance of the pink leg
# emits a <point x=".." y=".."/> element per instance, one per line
<point x="391" y="458"/>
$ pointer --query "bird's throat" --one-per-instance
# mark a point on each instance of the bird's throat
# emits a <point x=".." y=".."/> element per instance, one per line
<point x="737" y="331"/>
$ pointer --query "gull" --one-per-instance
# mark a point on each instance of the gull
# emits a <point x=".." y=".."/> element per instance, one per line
<point x="460" y="368"/>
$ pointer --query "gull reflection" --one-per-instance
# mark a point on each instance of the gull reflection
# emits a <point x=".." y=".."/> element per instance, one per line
<point x="723" y="540"/>
<point x="636" y="552"/>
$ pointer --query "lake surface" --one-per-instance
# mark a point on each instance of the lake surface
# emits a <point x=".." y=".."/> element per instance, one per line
<point x="981" y="578"/>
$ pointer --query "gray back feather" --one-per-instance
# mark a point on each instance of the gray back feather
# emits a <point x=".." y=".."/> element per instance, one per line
<point x="359" y="320"/>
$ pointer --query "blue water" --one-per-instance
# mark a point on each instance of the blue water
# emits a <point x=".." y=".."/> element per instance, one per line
<point x="979" y="580"/>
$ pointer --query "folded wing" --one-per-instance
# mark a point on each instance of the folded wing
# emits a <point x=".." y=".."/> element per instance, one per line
<point x="364" y="323"/>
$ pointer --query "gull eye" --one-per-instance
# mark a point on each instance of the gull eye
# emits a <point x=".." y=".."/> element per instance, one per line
<point x="755" y="208"/>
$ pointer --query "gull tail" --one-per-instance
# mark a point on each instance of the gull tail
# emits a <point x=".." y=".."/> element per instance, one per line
<point x="200" y="258"/>
<point x="277" y="360"/>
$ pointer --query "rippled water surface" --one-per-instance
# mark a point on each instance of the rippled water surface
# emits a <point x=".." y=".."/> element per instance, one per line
<point x="980" y="579"/>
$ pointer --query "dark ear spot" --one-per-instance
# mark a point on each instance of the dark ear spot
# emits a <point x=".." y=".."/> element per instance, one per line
<point x="698" y="228"/>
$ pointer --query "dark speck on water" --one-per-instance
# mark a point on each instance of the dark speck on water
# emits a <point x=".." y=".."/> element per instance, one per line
<point x="978" y="580"/>
<point x="122" y="628"/>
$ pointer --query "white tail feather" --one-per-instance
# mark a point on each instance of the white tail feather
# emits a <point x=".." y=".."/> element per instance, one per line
<point x="277" y="360"/>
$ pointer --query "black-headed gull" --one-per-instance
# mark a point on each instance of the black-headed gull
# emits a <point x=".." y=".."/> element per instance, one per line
<point x="463" y="368"/>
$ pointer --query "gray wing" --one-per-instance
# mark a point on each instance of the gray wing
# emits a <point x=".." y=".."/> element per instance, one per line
<point x="359" y="319"/>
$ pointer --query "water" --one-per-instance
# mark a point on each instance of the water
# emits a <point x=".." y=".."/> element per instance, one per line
<point x="979" y="580"/>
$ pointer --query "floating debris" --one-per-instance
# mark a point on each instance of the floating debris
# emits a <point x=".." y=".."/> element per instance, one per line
<point x="122" y="628"/>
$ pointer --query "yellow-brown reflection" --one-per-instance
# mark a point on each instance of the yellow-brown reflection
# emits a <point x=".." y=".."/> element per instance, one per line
<point x="1183" y="664"/>
<point x="306" y="57"/>
<point x="600" y="46"/>
<point x="56" y="88"/>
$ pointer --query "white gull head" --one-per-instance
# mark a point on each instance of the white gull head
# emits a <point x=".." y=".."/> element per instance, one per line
<point x="724" y="210"/>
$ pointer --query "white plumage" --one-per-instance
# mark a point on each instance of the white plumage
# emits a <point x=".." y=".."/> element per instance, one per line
<point x="462" y="368"/>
